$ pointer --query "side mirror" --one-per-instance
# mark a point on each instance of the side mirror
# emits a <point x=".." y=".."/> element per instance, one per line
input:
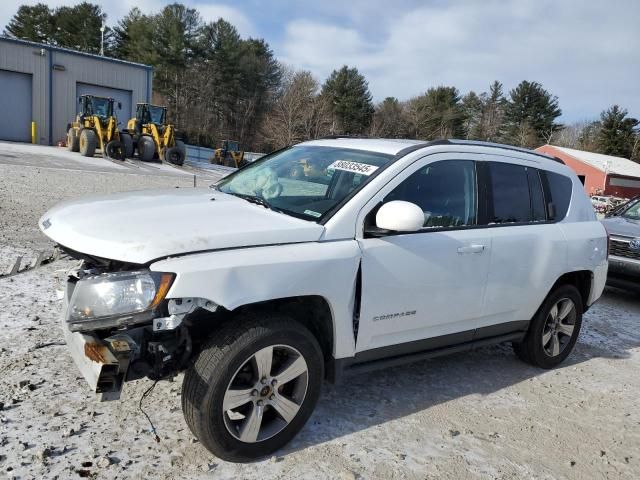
<point x="119" y="106"/>
<point x="79" y="100"/>
<point x="400" y="216"/>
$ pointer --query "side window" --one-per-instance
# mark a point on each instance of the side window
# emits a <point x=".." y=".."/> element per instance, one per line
<point x="538" y="211"/>
<point x="510" y="188"/>
<point x="446" y="192"/>
<point x="560" y="191"/>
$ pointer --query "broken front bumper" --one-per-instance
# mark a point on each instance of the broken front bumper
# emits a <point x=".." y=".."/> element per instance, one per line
<point x="102" y="363"/>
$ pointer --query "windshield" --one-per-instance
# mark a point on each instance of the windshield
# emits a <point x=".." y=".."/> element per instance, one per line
<point x="633" y="212"/>
<point x="156" y="114"/>
<point x="102" y="107"/>
<point x="306" y="182"/>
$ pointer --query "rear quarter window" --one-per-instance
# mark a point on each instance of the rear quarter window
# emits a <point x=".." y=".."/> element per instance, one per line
<point x="559" y="190"/>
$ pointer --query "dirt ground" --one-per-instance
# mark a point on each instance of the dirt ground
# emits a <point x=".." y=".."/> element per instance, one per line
<point x="482" y="414"/>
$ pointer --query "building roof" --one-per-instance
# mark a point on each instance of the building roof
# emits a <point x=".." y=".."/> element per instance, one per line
<point x="72" y="52"/>
<point x="605" y="163"/>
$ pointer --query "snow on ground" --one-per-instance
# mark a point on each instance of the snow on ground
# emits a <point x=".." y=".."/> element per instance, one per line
<point x="482" y="414"/>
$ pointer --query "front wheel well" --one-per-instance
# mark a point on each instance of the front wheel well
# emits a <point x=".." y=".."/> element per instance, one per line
<point x="582" y="280"/>
<point x="312" y="311"/>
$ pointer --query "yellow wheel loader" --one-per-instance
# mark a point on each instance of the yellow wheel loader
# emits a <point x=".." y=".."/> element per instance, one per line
<point x="151" y="135"/>
<point x="95" y="127"/>
<point x="228" y="155"/>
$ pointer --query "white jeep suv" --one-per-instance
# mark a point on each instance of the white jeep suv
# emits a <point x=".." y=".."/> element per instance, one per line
<point x="326" y="258"/>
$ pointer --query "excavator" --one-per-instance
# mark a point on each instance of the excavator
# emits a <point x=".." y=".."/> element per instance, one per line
<point x="150" y="134"/>
<point x="229" y="155"/>
<point x="95" y="127"/>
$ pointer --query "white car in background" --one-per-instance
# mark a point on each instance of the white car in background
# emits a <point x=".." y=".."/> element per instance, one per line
<point x="266" y="284"/>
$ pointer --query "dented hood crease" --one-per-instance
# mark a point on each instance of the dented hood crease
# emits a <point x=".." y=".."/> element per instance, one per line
<point x="139" y="227"/>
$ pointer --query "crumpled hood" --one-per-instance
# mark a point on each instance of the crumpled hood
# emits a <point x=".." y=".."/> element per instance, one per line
<point x="138" y="227"/>
<point x="622" y="226"/>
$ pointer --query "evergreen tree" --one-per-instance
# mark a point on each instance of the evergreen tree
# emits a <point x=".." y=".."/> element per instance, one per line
<point x="472" y="109"/>
<point x="437" y="114"/>
<point x="347" y="93"/>
<point x="132" y="38"/>
<point x="78" y="27"/>
<point x="617" y="132"/>
<point x="389" y="119"/>
<point x="35" y="23"/>
<point x="530" y="114"/>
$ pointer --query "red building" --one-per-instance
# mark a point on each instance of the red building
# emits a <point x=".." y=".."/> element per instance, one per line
<point x="600" y="174"/>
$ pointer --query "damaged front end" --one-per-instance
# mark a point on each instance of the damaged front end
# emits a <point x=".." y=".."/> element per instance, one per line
<point x="119" y="326"/>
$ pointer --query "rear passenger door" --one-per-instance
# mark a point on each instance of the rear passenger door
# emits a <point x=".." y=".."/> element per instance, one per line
<point x="528" y="248"/>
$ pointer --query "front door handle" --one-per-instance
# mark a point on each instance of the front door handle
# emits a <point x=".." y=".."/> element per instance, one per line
<point x="471" y="249"/>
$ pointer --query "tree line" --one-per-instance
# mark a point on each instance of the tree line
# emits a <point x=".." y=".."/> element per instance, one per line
<point x="218" y="85"/>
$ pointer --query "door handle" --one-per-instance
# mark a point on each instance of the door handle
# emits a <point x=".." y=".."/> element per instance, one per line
<point x="471" y="249"/>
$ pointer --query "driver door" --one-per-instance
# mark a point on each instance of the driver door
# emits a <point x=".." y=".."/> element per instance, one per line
<point x="425" y="289"/>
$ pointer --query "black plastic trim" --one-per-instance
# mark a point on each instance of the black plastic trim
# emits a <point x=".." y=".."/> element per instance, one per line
<point x="410" y="352"/>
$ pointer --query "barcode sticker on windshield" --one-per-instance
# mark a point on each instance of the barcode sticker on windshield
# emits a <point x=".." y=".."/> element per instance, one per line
<point x="355" y="167"/>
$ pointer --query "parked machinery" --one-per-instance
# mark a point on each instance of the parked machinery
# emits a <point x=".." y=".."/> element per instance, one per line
<point x="151" y="135"/>
<point x="229" y="154"/>
<point x="95" y="127"/>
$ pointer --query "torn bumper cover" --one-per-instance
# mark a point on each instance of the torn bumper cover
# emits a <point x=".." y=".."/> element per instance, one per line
<point x="101" y="368"/>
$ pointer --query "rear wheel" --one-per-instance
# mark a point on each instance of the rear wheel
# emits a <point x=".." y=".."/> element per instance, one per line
<point x="146" y="149"/>
<point x="114" y="150"/>
<point x="127" y="144"/>
<point x="88" y="142"/>
<point x="253" y="387"/>
<point x="554" y="330"/>
<point x="174" y="155"/>
<point x="73" y="142"/>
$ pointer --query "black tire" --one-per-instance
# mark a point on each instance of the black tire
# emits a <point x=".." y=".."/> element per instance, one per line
<point x="146" y="149"/>
<point x="206" y="382"/>
<point x="88" y="142"/>
<point x="174" y="155"/>
<point x="127" y="144"/>
<point x="531" y="350"/>
<point x="182" y="147"/>
<point x="73" y="141"/>
<point x="114" y="150"/>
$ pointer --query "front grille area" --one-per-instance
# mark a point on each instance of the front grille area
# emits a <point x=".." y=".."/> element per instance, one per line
<point x="620" y="248"/>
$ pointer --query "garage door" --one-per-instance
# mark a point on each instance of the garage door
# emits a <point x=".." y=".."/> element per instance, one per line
<point x="15" y="106"/>
<point x="122" y="96"/>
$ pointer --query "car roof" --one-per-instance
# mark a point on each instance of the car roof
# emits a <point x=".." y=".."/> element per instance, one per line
<point x="395" y="146"/>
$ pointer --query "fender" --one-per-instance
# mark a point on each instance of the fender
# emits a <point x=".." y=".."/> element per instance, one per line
<point x="236" y="277"/>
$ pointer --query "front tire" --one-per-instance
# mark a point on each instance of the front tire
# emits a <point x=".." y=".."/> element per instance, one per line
<point x="253" y="387"/>
<point x="73" y="142"/>
<point x="146" y="148"/>
<point x="554" y="329"/>
<point x="88" y="142"/>
<point x="127" y="144"/>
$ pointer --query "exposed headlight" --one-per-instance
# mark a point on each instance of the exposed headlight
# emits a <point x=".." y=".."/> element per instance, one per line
<point x="116" y="299"/>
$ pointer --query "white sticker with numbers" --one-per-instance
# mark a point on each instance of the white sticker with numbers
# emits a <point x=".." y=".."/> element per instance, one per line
<point x="355" y="167"/>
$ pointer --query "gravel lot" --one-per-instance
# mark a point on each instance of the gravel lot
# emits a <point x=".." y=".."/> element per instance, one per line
<point x="482" y="414"/>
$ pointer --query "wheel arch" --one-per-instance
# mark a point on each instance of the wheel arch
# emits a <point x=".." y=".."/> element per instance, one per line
<point x="582" y="280"/>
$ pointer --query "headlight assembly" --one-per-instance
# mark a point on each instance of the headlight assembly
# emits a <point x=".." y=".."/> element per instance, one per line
<point x="115" y="299"/>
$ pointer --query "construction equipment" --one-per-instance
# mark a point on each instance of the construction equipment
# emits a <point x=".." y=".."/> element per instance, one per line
<point x="152" y="136"/>
<point x="228" y="155"/>
<point x="95" y="126"/>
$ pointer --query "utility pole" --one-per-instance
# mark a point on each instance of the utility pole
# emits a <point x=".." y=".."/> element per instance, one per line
<point x="102" y="38"/>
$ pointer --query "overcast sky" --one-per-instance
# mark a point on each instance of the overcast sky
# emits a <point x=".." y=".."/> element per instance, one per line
<point x="585" y="52"/>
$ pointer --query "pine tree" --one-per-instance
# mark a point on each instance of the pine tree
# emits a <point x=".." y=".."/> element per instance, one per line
<point x="347" y="93"/>
<point x="437" y="114"/>
<point x="132" y="38"/>
<point x="530" y="114"/>
<point x="389" y="119"/>
<point x="35" y="23"/>
<point x="617" y="132"/>
<point x="78" y="28"/>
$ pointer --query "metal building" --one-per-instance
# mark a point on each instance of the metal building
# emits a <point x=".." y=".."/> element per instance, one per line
<point x="40" y="83"/>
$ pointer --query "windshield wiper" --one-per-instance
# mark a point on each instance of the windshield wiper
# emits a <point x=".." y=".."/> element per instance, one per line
<point x="258" y="201"/>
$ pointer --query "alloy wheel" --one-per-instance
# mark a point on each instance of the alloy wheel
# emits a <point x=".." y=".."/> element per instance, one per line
<point x="559" y="327"/>
<point x="265" y="393"/>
